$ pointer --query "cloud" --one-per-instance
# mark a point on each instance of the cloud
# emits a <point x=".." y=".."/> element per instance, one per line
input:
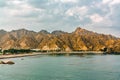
<point x="111" y="2"/>
<point x="61" y="14"/>
<point x="96" y="18"/>
<point x="106" y="1"/>
<point x="21" y="9"/>
<point x="44" y="4"/>
<point x="69" y="1"/>
<point x="77" y="11"/>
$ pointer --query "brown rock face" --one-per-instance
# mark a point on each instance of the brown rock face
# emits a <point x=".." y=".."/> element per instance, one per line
<point x="78" y="40"/>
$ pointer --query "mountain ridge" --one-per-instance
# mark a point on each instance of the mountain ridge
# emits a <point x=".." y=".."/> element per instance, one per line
<point x="23" y="29"/>
<point x="80" y="39"/>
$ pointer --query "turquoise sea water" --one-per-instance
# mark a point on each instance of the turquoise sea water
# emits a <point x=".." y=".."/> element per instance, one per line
<point x="43" y="67"/>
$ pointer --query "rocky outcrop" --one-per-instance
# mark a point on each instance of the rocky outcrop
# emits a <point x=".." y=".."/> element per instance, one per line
<point x="6" y="62"/>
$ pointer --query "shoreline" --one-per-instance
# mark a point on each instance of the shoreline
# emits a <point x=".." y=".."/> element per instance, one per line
<point x="52" y="53"/>
<point x="49" y="53"/>
<point x="18" y="55"/>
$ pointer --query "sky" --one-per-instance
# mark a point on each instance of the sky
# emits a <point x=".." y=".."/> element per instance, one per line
<point x="102" y="16"/>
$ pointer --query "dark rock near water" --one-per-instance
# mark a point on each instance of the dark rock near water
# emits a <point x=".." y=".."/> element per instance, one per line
<point x="6" y="62"/>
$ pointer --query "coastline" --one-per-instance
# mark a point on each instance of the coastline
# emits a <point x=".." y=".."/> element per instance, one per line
<point x="18" y="55"/>
<point x="51" y="53"/>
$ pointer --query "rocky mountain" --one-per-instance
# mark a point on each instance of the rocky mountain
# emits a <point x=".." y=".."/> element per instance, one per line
<point x="78" y="40"/>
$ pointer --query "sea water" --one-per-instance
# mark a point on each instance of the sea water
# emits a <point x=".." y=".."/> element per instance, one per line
<point x="44" y="67"/>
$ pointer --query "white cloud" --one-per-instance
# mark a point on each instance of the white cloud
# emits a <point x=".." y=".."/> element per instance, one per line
<point x="106" y="1"/>
<point x="65" y="13"/>
<point x="96" y="18"/>
<point x="69" y="1"/>
<point x="111" y="2"/>
<point x="20" y="8"/>
<point x="77" y="11"/>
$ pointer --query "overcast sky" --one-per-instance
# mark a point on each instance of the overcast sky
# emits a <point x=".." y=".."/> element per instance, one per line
<point x="102" y="16"/>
